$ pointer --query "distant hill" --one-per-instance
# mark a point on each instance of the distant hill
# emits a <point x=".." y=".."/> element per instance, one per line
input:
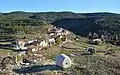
<point x="43" y="16"/>
<point x="100" y="14"/>
<point x="53" y="16"/>
<point x="101" y="23"/>
<point x="15" y="16"/>
<point x="80" y="23"/>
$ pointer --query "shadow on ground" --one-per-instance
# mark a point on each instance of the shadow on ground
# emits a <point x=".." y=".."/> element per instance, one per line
<point x="36" y="68"/>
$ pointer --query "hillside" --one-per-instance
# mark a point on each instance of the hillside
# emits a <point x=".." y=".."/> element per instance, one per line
<point x="83" y="64"/>
<point x="106" y="24"/>
<point x="53" y="16"/>
<point x="80" y="23"/>
<point x="38" y="60"/>
<point x="102" y="23"/>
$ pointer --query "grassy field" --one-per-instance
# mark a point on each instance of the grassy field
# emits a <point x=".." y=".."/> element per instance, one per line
<point x="96" y="64"/>
<point x="76" y="46"/>
<point x="3" y="43"/>
<point x="4" y="51"/>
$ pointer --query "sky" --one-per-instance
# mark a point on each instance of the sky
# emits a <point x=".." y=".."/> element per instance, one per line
<point x="79" y="6"/>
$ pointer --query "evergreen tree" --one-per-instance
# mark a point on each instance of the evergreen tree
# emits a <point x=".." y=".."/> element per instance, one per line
<point x="95" y="35"/>
<point x="116" y="37"/>
<point x="103" y="38"/>
<point x="90" y="35"/>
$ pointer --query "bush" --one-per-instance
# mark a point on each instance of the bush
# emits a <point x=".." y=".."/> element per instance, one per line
<point x="58" y="41"/>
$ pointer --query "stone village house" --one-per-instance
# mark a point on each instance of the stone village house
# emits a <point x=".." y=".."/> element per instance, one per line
<point x="39" y="44"/>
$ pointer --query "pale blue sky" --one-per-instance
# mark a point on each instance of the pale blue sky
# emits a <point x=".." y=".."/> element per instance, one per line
<point x="60" y="5"/>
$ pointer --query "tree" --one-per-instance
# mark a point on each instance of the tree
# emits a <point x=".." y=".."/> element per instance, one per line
<point x="115" y="40"/>
<point x="103" y="38"/>
<point x="116" y="37"/>
<point x="90" y="35"/>
<point x="58" y="41"/>
<point x="95" y="35"/>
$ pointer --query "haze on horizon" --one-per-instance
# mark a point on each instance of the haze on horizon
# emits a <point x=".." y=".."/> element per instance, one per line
<point x="78" y="6"/>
